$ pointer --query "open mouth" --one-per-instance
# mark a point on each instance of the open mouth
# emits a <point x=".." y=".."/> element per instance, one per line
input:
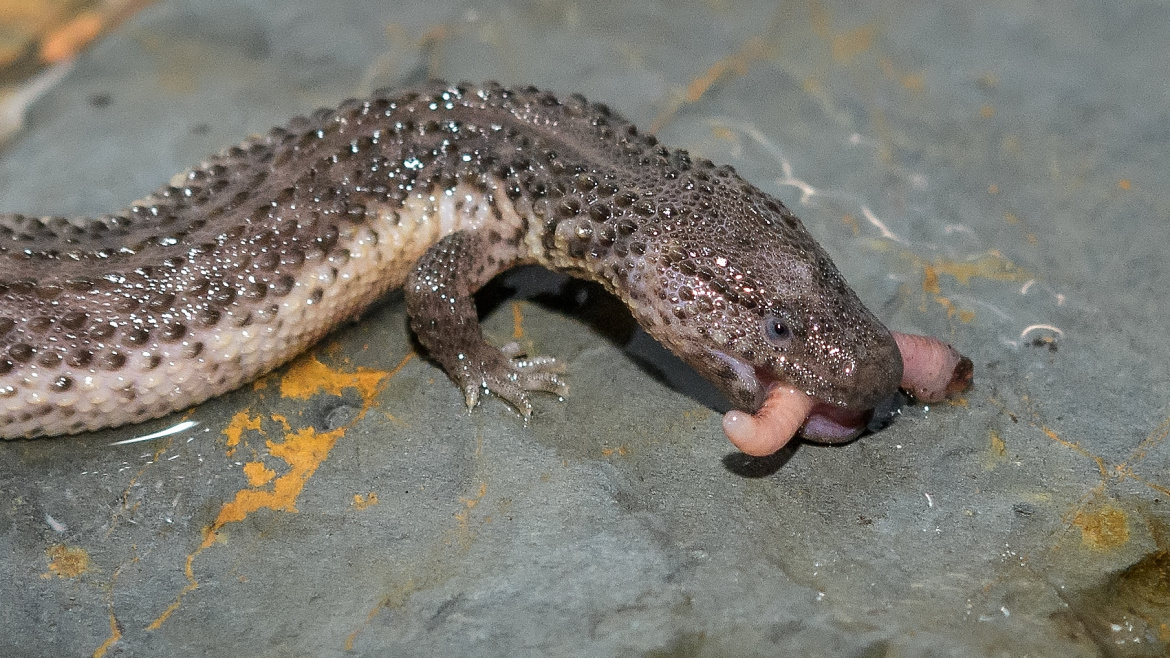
<point x="932" y="371"/>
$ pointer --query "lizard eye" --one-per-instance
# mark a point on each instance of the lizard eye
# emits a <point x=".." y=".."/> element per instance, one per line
<point x="777" y="330"/>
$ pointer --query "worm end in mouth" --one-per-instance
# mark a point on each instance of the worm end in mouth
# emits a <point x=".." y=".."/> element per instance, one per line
<point x="770" y="428"/>
<point x="932" y="371"/>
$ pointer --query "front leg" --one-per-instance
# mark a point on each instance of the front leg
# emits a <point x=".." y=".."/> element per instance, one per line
<point x="443" y="316"/>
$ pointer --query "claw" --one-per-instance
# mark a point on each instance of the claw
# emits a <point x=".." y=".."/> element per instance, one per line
<point x="471" y="396"/>
<point x="513" y="376"/>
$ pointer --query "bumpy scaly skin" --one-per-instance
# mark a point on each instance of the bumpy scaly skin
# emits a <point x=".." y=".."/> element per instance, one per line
<point x="243" y="262"/>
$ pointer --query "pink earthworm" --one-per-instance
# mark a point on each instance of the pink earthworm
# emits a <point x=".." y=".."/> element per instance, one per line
<point x="932" y="371"/>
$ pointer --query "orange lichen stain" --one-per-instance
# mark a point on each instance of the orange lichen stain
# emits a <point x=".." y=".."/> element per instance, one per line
<point x="1124" y="183"/>
<point x="431" y="43"/>
<point x="1153" y="439"/>
<point x="463" y="532"/>
<point x="930" y="280"/>
<point x="993" y="189"/>
<point x="235" y="429"/>
<point x="852" y="223"/>
<point x="396" y="598"/>
<point x="819" y="20"/>
<point x="395" y="419"/>
<point x="283" y="421"/>
<point x="115" y="635"/>
<point x="930" y="285"/>
<point x="620" y="451"/>
<point x="191" y="586"/>
<point x="361" y="502"/>
<point x="1103" y="527"/>
<point x="517" y="320"/>
<point x="997" y="450"/>
<point x="1078" y="448"/>
<point x="992" y="266"/>
<point x="307" y="377"/>
<point x="475" y="500"/>
<point x="998" y="446"/>
<point x="843" y="46"/>
<point x="914" y="81"/>
<point x="987" y="111"/>
<point x="721" y="132"/>
<point x="1011" y="218"/>
<point x="258" y="474"/>
<point x="66" y="561"/>
<point x="31" y="14"/>
<point x="699" y="413"/>
<point x="910" y="81"/>
<point x="66" y="41"/>
<point x="303" y="450"/>
<point x="736" y="64"/>
<point x="847" y="45"/>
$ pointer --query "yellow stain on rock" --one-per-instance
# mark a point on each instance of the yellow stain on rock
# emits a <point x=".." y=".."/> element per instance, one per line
<point x="1155" y="438"/>
<point x="737" y="64"/>
<point x="620" y="451"/>
<point x="843" y="46"/>
<point x="462" y="533"/>
<point x="236" y="427"/>
<point x="996" y="451"/>
<point x="258" y="474"/>
<point x="1103" y="527"/>
<point x="307" y="377"/>
<point x="992" y="266"/>
<point x="847" y="45"/>
<point x="303" y="450"/>
<point x="115" y="635"/>
<point x="361" y="502"/>
<point x="66" y="561"/>
<point x="998" y="447"/>
<point x="915" y="82"/>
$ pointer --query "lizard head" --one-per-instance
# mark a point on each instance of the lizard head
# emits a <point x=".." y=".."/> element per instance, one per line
<point x="751" y="301"/>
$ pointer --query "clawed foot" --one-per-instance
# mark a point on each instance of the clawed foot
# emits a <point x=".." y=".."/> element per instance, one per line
<point x="510" y="374"/>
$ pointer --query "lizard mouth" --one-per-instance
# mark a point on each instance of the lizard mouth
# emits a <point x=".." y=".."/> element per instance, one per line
<point x="932" y="371"/>
<point x="826" y="423"/>
<point x="787" y="412"/>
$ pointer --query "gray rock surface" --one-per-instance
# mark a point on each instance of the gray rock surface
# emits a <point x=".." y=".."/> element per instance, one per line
<point x="994" y="174"/>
